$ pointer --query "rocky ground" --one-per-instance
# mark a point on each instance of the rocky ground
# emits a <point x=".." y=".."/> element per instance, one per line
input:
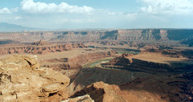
<point x="22" y="79"/>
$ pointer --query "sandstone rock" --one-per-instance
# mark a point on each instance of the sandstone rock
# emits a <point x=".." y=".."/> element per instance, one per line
<point x="52" y="87"/>
<point x="1" y="63"/>
<point x="20" y="61"/>
<point x="32" y="61"/>
<point x="22" y="80"/>
<point x="85" y="98"/>
<point x="55" y="76"/>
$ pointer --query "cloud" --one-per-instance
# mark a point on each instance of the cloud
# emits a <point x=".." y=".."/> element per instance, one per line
<point x="17" y="18"/>
<point x="149" y="13"/>
<point x="5" y="11"/>
<point x="168" y="6"/>
<point x="41" y="7"/>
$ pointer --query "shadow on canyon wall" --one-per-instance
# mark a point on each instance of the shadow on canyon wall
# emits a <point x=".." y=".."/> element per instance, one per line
<point x="171" y="86"/>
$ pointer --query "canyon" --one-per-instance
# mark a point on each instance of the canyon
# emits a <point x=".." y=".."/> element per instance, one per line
<point x="131" y="65"/>
<point x="36" y="48"/>
<point x="96" y="35"/>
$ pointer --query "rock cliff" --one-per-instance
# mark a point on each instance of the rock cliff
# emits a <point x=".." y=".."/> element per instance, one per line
<point x="95" y="35"/>
<point x="37" y="48"/>
<point x="102" y="92"/>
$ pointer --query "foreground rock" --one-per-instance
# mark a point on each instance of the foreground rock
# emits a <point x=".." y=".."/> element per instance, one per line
<point x="22" y="80"/>
<point x="85" y="98"/>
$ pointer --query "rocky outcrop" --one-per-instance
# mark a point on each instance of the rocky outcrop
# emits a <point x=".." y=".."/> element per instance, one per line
<point x="37" y="48"/>
<point x="123" y="62"/>
<point x="118" y="62"/>
<point x="85" y="98"/>
<point x="22" y="80"/>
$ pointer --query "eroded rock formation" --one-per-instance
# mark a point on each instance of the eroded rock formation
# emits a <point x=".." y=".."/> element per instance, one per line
<point x="78" y="61"/>
<point x="22" y="80"/>
<point x="37" y="48"/>
<point x="84" y="98"/>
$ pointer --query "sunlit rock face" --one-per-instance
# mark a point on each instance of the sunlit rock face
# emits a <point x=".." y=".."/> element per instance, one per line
<point x="22" y="80"/>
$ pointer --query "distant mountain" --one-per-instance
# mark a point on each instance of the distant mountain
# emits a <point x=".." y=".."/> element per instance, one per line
<point x="5" y="27"/>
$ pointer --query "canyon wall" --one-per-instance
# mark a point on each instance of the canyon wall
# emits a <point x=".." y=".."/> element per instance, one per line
<point x="77" y="61"/>
<point x="36" y="49"/>
<point x="147" y="66"/>
<point x="97" y="35"/>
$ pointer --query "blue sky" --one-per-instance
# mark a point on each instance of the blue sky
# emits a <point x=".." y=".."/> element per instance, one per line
<point x="100" y="4"/>
<point x="73" y="14"/>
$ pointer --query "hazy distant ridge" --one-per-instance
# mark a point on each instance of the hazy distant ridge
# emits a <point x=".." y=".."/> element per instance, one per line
<point x="5" y="27"/>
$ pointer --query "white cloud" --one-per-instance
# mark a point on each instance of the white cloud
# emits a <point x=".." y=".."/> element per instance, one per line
<point x="17" y="17"/>
<point x="77" y="20"/>
<point x="41" y="7"/>
<point x="168" y="6"/>
<point x="5" y="11"/>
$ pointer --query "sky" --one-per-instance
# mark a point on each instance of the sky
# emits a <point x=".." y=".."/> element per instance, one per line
<point x="85" y="14"/>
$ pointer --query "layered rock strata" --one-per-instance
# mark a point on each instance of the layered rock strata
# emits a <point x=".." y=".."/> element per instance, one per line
<point x="31" y="49"/>
<point x="95" y="35"/>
